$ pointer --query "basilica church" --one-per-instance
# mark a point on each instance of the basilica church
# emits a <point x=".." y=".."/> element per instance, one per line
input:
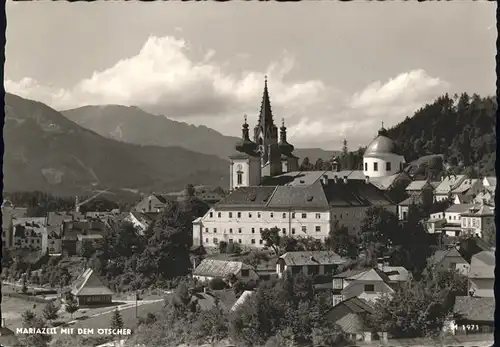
<point x="267" y="188"/>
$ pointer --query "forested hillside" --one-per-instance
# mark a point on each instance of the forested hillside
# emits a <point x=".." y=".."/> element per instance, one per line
<point x="460" y="127"/>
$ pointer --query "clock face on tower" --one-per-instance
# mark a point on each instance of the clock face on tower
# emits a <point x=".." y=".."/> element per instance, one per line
<point x="239" y="167"/>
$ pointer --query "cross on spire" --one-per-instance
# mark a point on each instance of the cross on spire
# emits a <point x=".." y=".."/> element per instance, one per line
<point x="382" y="124"/>
<point x="282" y="122"/>
<point x="245" y="118"/>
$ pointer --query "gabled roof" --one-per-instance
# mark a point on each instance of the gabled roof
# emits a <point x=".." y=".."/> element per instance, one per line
<point x="219" y="268"/>
<point x="349" y="315"/>
<point x="482" y="265"/>
<point x="417" y="185"/>
<point x="396" y="273"/>
<point x="355" y="193"/>
<point x="481" y="211"/>
<point x="440" y="255"/>
<point x="311" y="196"/>
<point x="464" y="186"/>
<point x="88" y="283"/>
<point x="241" y="300"/>
<point x="460" y="208"/>
<point x="312" y="258"/>
<point x="490" y="181"/>
<point x="384" y="182"/>
<point x="412" y="200"/>
<point x="474" y="309"/>
<point x="448" y="184"/>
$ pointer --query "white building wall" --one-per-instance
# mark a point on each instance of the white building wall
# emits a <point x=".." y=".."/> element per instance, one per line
<point x="251" y="172"/>
<point x="244" y="226"/>
<point x="379" y="163"/>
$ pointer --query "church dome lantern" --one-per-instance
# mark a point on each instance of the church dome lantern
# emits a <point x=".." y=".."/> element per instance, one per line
<point x="245" y="145"/>
<point x="284" y="146"/>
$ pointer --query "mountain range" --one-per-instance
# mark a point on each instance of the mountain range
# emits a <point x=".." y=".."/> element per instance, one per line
<point x="134" y="125"/>
<point x="46" y="151"/>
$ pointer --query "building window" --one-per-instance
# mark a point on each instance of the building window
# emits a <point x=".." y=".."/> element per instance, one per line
<point x="304" y="215"/>
<point x="230" y="240"/>
<point x="258" y="214"/>
<point x="239" y="240"/>
<point x="239" y="177"/>
<point x="239" y="214"/>
<point x="296" y="269"/>
<point x="318" y="215"/>
<point x="219" y="214"/>
<point x="216" y="241"/>
<point x="337" y="299"/>
<point x="304" y="229"/>
<point x="211" y="214"/>
<point x="249" y="214"/>
<point x="313" y="270"/>
<point x="293" y="230"/>
<point x="375" y="166"/>
<point x="284" y="215"/>
<point x="245" y="272"/>
<point x="230" y="214"/>
<point x="260" y="241"/>
<point x="253" y="241"/>
<point x="284" y="231"/>
<point x="329" y="269"/>
<point x="215" y="230"/>
<point x="387" y="166"/>
<point x="293" y="215"/>
<point x="271" y="215"/>
<point x="318" y="228"/>
<point x="230" y="230"/>
<point x="369" y="288"/>
<point x="206" y="230"/>
<point x="253" y="230"/>
<point x="239" y="230"/>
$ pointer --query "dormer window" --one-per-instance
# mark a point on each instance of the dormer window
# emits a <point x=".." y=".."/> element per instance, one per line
<point x="239" y="177"/>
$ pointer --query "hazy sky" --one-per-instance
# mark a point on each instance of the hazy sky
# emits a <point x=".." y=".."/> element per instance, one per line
<point x="335" y="69"/>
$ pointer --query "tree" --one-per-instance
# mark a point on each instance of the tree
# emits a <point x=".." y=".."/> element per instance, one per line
<point x="36" y="340"/>
<point x="116" y="320"/>
<point x="209" y="326"/>
<point x="272" y="238"/>
<point x="87" y="249"/>
<point x="340" y="242"/>
<point x="28" y="317"/>
<point x="222" y="247"/>
<point x="71" y="305"/>
<point x="380" y="232"/>
<point x="344" y="156"/>
<point x="233" y="248"/>
<point x="306" y="164"/>
<point x="24" y="287"/>
<point x="50" y="311"/>
<point x="490" y="234"/>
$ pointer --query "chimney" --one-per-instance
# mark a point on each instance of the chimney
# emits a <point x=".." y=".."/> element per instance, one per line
<point x="367" y="179"/>
<point x="345" y="179"/>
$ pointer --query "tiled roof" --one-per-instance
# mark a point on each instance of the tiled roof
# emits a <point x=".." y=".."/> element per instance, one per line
<point x="349" y="273"/>
<point x="89" y="237"/>
<point x="412" y="200"/>
<point x="88" y="283"/>
<point x="352" y="319"/>
<point x="219" y="268"/>
<point x="474" y="309"/>
<point x="417" y="185"/>
<point x="440" y="255"/>
<point x="465" y="186"/>
<point x="491" y="181"/>
<point x="482" y="210"/>
<point x="312" y="258"/>
<point x="241" y="300"/>
<point x="448" y="184"/>
<point x="257" y="196"/>
<point x="299" y="197"/>
<point x="460" y="208"/>
<point x="396" y="273"/>
<point x="355" y="193"/>
<point x="482" y="265"/>
<point x="384" y="182"/>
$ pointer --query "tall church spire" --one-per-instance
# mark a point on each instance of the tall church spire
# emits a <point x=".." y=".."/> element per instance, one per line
<point x="266" y="121"/>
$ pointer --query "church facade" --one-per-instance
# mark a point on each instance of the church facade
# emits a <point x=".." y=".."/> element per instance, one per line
<point x="268" y="190"/>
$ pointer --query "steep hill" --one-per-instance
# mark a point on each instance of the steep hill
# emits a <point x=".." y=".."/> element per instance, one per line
<point x="134" y="125"/>
<point x="461" y="128"/>
<point x="46" y="151"/>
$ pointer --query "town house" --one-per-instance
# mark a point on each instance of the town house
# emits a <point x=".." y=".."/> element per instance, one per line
<point x="450" y="259"/>
<point x="88" y="289"/>
<point x="443" y="190"/>
<point x="482" y="274"/>
<point x="310" y="263"/>
<point x="210" y="269"/>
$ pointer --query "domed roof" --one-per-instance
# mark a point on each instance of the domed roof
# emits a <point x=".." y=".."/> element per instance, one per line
<point x="381" y="145"/>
